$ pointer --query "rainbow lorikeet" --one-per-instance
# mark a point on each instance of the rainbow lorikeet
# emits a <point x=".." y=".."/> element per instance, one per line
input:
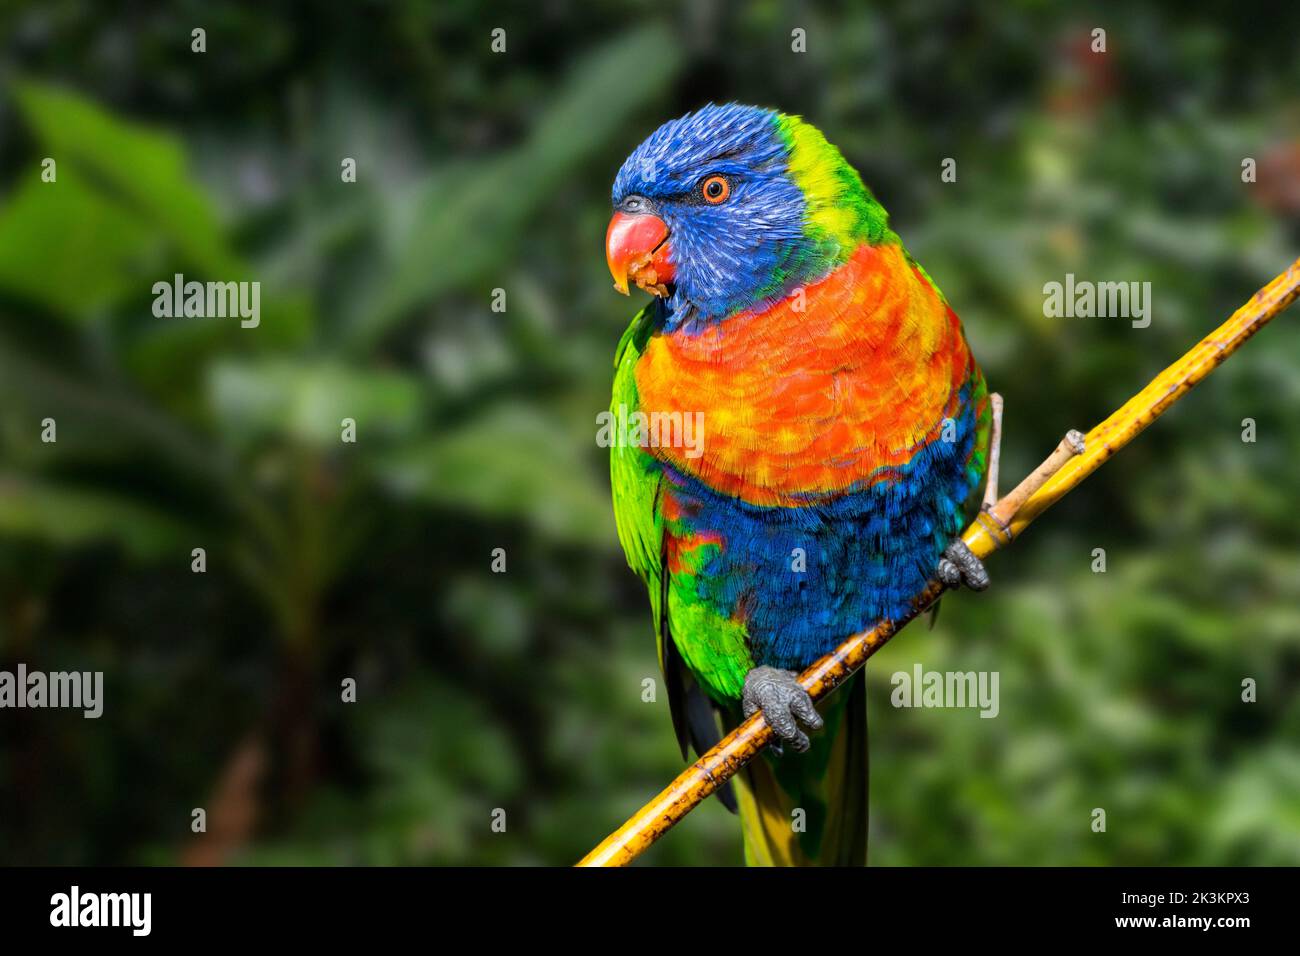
<point x="845" y="424"/>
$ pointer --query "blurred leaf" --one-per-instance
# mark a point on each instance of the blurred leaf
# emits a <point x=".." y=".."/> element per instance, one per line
<point x="308" y="401"/>
<point x="465" y="224"/>
<point x="74" y="517"/>
<point x="142" y="170"/>
<point x="509" y="463"/>
<point x="66" y="248"/>
<point x="170" y="357"/>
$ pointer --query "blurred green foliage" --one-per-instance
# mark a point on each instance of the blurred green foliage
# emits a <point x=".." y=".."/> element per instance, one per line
<point x="522" y="690"/>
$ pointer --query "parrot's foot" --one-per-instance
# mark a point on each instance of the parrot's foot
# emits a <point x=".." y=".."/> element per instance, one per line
<point x="959" y="566"/>
<point x="784" y="703"/>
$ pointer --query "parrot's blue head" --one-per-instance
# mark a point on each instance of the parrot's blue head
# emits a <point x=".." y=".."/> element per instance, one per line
<point x="732" y="207"/>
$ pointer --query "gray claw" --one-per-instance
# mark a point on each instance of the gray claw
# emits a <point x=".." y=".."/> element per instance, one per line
<point x="959" y="566"/>
<point x="783" y="702"/>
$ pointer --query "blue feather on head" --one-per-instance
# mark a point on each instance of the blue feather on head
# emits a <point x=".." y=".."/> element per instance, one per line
<point x="752" y="248"/>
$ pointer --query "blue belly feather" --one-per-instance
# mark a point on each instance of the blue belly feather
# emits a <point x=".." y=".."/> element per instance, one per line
<point x="869" y="551"/>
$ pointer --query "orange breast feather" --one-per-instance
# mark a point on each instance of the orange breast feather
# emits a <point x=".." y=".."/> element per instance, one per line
<point x="813" y="397"/>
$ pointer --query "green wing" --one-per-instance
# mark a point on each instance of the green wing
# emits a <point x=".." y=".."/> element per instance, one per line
<point x="635" y="476"/>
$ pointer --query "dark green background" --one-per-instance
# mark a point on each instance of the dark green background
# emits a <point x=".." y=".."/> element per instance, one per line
<point x="476" y="430"/>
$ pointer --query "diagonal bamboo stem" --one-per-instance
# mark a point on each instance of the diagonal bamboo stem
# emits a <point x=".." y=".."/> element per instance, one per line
<point x="993" y="529"/>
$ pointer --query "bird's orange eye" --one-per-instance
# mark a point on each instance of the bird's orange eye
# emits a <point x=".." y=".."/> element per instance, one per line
<point x="715" y="189"/>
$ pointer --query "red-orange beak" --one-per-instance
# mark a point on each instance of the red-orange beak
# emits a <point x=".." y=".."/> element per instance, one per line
<point x="636" y="247"/>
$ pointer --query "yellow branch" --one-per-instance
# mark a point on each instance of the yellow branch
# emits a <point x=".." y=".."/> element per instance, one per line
<point x="992" y="530"/>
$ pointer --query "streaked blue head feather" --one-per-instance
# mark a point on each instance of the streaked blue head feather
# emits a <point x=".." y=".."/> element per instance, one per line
<point x="738" y="254"/>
